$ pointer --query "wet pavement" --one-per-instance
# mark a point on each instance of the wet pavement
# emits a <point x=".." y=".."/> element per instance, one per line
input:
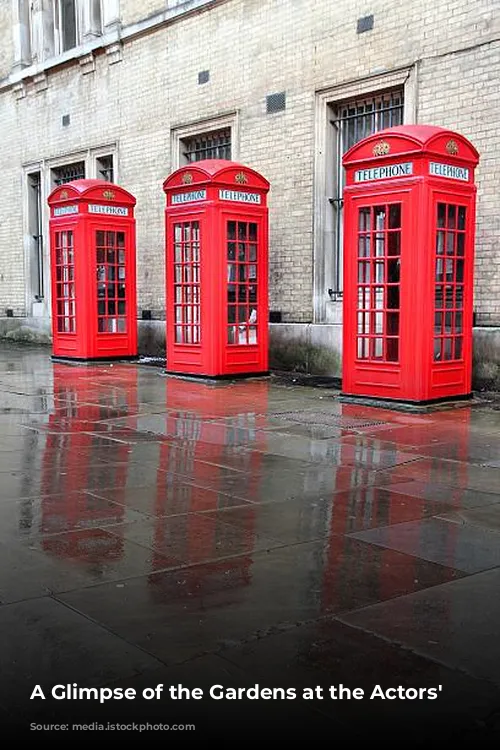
<point x="155" y="530"/>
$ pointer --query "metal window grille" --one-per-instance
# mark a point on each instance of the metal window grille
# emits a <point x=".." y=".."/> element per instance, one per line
<point x="355" y="120"/>
<point x="69" y="172"/>
<point x="213" y="145"/>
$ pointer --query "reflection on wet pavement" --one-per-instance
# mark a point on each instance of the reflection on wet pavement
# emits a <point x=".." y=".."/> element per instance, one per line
<point x="158" y="528"/>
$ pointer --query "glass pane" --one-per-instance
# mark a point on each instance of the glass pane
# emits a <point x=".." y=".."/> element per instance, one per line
<point x="393" y="297"/>
<point x="437" y="349"/>
<point x="460" y="243"/>
<point x="458" y="347"/>
<point x="459" y="322"/>
<point x="364" y="219"/>
<point x="450" y="243"/>
<point x="392" y="350"/>
<point x="379" y="217"/>
<point x="438" y="322"/>
<point x="364" y="272"/>
<point x="460" y="270"/>
<point x="439" y="297"/>
<point x="231" y="250"/>
<point x="439" y="269"/>
<point x="252" y="232"/>
<point x="441" y="221"/>
<point x="378" y="297"/>
<point x="231" y="230"/>
<point x="363" y="246"/>
<point x="392" y="324"/>
<point x="449" y="270"/>
<point x="461" y="217"/>
<point x="393" y="271"/>
<point x="395" y="216"/>
<point x="252" y="252"/>
<point x="448" y="349"/>
<point x="449" y="296"/>
<point x="100" y="238"/>
<point x="378" y="347"/>
<point x="380" y="272"/>
<point x="242" y="230"/>
<point x="394" y="243"/>
<point x="452" y="217"/>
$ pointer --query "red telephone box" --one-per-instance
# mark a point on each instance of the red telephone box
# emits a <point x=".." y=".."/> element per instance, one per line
<point x="408" y="265"/>
<point x="93" y="271"/>
<point x="217" y="270"/>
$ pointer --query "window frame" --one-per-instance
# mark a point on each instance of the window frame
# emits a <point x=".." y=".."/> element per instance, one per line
<point x="179" y="134"/>
<point x="327" y="309"/>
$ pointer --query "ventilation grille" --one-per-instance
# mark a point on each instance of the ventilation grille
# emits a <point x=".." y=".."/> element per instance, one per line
<point x="275" y="102"/>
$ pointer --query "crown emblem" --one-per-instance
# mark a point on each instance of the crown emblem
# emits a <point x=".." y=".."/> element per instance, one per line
<point x="241" y="178"/>
<point x="187" y="178"/>
<point x="108" y="194"/>
<point x="381" y="148"/>
<point x="63" y="194"/>
<point x="452" y="148"/>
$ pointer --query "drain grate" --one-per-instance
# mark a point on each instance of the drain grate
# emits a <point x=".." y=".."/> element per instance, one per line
<point x="322" y="419"/>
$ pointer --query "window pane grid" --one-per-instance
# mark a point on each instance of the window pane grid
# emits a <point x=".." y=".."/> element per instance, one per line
<point x="242" y="278"/>
<point x="378" y="303"/>
<point x="111" y="282"/>
<point x="69" y="172"/>
<point x="214" y="145"/>
<point x="449" y="282"/>
<point x="187" y="305"/>
<point x="65" y="283"/>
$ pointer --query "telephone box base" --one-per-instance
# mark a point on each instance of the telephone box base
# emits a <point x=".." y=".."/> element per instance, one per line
<point x="448" y="402"/>
<point x="94" y="360"/>
<point x="217" y="378"/>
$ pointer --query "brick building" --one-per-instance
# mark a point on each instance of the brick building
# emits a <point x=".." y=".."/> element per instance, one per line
<point x="130" y="90"/>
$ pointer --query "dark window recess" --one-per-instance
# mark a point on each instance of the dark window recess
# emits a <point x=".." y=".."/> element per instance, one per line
<point x="65" y="120"/>
<point x="69" y="172"/>
<point x="275" y="102"/>
<point x="105" y="169"/>
<point x="204" y="76"/>
<point x="213" y="145"/>
<point x="146" y="315"/>
<point x="68" y="24"/>
<point x="275" y="316"/>
<point x="364" y="24"/>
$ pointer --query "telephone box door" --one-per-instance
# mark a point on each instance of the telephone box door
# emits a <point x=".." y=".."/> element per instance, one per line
<point x="246" y="288"/>
<point x="451" y="222"/>
<point x="114" y="312"/>
<point x="64" y="292"/>
<point x="375" y="277"/>
<point x="184" y="277"/>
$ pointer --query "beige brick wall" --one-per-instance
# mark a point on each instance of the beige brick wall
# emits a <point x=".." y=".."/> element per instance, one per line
<point x="254" y="48"/>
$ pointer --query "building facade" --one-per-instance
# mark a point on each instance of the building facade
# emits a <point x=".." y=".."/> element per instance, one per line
<point x="128" y="91"/>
